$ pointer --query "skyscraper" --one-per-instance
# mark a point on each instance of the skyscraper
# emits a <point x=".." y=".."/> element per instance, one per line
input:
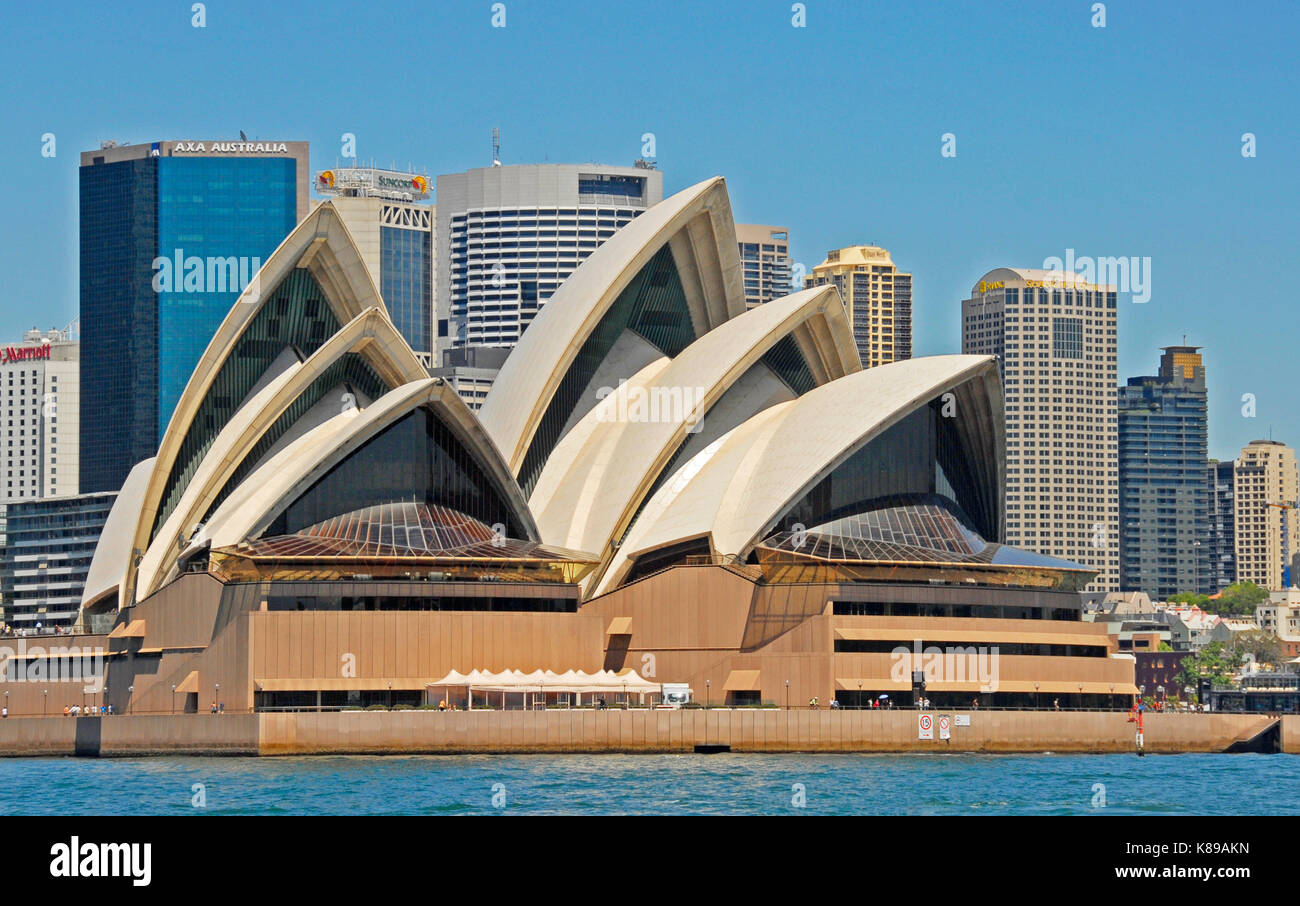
<point x="508" y="236"/>
<point x="388" y="214"/>
<point x="171" y="232"/>
<point x="1221" y="477"/>
<point x="879" y="299"/>
<point x="765" y="258"/>
<point x="1265" y="484"/>
<point x="1056" y="337"/>
<point x="1163" y="493"/>
<point x="40" y="415"/>
<point x="46" y="557"/>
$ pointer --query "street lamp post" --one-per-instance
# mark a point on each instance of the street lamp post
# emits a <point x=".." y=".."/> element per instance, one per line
<point x="708" y="693"/>
<point x="173" y="698"/>
<point x="859" y="694"/>
<point x="130" y="694"/>
<point x="1038" y="704"/>
<point x="216" y="692"/>
<point x="45" y="700"/>
<point x="787" y="695"/>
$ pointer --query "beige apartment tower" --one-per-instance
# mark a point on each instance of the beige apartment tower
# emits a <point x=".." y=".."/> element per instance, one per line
<point x="765" y="260"/>
<point x="1264" y="491"/>
<point x="1055" y="337"/>
<point x="878" y="297"/>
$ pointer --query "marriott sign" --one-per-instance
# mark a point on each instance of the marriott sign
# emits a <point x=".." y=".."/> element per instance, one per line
<point x="24" y="353"/>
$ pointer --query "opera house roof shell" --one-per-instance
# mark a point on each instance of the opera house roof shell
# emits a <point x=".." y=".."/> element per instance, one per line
<point x="645" y="415"/>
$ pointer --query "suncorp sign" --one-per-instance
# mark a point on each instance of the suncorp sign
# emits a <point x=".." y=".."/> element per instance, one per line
<point x="368" y="181"/>
<point x="406" y="183"/>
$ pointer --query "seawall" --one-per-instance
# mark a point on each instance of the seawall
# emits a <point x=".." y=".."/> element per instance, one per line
<point x="742" y="730"/>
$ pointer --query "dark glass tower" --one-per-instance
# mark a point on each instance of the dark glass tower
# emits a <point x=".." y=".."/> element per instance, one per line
<point x="1222" y="516"/>
<point x="170" y="234"/>
<point x="1163" y="486"/>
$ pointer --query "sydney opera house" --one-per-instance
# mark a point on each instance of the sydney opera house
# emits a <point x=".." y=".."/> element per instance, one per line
<point x="659" y="481"/>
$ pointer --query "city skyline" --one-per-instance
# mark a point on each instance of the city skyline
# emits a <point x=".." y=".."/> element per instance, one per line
<point x="702" y="407"/>
<point x="1172" y="186"/>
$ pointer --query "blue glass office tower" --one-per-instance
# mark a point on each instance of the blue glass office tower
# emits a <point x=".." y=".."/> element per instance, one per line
<point x="1163" y="479"/>
<point x="170" y="234"/>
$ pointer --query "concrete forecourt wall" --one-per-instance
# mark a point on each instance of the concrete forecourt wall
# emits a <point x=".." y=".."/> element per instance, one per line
<point x="742" y="730"/>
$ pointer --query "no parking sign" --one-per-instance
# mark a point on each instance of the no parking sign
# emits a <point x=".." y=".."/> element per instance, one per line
<point x="925" y="727"/>
<point x="944" y="724"/>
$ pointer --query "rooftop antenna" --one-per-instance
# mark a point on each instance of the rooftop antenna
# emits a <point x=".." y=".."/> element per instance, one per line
<point x="496" y="146"/>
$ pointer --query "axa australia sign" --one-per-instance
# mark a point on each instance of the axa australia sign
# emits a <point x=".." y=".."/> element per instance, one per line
<point x="240" y="147"/>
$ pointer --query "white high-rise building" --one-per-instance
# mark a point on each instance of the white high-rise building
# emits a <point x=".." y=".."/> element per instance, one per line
<point x="508" y="236"/>
<point x="1056" y="336"/>
<point x="40" y="412"/>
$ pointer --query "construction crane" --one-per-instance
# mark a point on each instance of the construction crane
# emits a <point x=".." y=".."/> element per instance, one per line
<point x="1286" y="508"/>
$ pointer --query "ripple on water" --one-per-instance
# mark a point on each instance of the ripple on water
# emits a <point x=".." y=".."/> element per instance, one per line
<point x="841" y="783"/>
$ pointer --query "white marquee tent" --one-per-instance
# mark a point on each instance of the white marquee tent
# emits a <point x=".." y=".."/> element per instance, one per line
<point x="577" y="682"/>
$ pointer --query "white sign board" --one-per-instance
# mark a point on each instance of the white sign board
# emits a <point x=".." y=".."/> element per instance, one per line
<point x="925" y="727"/>
<point x="961" y="720"/>
<point x="945" y="725"/>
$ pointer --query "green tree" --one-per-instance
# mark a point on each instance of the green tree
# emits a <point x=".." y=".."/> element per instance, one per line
<point x="1239" y="599"/>
<point x="1190" y="597"/>
<point x="1212" y="662"/>
<point x="1265" y="647"/>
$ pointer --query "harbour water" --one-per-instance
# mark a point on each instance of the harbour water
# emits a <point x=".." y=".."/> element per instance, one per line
<point x="840" y="784"/>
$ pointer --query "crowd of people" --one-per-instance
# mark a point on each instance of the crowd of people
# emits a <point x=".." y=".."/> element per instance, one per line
<point x="86" y="711"/>
<point x="22" y="632"/>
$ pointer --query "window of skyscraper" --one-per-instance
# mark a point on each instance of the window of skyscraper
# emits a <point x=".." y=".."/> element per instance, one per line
<point x="1067" y="338"/>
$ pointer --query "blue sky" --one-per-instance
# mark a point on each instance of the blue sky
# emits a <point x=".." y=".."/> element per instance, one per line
<point x="1123" y="140"/>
